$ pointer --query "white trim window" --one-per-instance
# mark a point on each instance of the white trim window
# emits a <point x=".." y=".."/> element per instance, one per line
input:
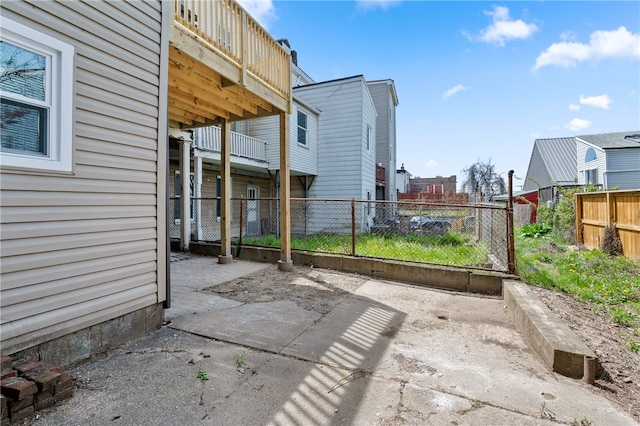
<point x="302" y="128"/>
<point x="36" y="98"/>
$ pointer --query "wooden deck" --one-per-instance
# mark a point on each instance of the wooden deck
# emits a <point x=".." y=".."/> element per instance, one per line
<point x="223" y="65"/>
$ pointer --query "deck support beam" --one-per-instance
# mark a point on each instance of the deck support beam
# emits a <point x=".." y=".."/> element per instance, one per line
<point x="285" y="263"/>
<point x="225" y="196"/>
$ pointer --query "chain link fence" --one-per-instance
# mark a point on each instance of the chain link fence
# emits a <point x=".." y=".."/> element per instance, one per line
<point x="464" y="235"/>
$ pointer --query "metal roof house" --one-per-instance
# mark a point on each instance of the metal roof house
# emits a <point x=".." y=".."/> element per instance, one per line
<point x="552" y="163"/>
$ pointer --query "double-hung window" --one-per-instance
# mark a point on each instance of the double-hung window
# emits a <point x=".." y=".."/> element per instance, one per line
<point x="36" y="99"/>
<point x="302" y="128"/>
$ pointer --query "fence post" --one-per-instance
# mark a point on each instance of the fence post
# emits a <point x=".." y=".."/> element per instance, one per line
<point x="353" y="227"/>
<point x="241" y="221"/>
<point x="511" y="250"/>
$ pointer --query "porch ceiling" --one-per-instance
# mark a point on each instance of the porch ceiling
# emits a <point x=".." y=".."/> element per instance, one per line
<point x="201" y="96"/>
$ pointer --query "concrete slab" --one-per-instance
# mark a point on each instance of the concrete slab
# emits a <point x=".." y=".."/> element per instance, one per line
<point x="388" y="354"/>
<point x="353" y="335"/>
<point x="268" y="326"/>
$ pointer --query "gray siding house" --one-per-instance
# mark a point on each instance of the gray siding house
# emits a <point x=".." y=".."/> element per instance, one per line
<point x="83" y="210"/>
<point x="385" y="98"/>
<point x="610" y="160"/>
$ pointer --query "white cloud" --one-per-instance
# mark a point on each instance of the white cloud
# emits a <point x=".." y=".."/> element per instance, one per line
<point x="262" y="11"/>
<point x="453" y="91"/>
<point x="620" y="43"/>
<point x="574" y="107"/>
<point x="373" y="4"/>
<point x="431" y="163"/>
<point x="602" y="101"/>
<point x="504" y="28"/>
<point x="577" y="124"/>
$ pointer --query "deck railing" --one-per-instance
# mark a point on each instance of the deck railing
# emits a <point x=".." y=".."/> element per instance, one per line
<point x="228" y="28"/>
<point x="208" y="139"/>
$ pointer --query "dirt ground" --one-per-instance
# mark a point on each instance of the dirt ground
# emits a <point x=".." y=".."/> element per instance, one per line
<point x="619" y="368"/>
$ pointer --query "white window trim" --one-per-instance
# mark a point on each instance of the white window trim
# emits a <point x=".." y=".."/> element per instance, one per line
<point x="60" y="81"/>
<point x="368" y="137"/>
<point x="306" y="129"/>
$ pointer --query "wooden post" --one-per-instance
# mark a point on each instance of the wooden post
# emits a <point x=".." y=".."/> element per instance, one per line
<point x="225" y="196"/>
<point x="285" y="263"/>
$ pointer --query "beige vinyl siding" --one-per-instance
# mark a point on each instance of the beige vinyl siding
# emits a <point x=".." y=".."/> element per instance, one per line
<point x="83" y="248"/>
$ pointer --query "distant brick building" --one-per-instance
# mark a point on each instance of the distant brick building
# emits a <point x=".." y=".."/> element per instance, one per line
<point x="436" y="185"/>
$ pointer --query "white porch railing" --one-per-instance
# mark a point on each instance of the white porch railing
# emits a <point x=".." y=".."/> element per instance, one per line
<point x="208" y="139"/>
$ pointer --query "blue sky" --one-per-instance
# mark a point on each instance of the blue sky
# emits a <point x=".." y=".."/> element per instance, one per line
<point x="476" y="80"/>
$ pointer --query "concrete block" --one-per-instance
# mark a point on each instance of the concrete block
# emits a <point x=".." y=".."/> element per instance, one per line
<point x="154" y="317"/>
<point x="362" y="265"/>
<point x="560" y="349"/>
<point x="486" y="282"/>
<point x="324" y="261"/>
<point x="438" y="277"/>
<point x="66" y="349"/>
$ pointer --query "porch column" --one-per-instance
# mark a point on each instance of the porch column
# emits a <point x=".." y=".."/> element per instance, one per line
<point x="225" y="187"/>
<point x="185" y="194"/>
<point x="197" y="181"/>
<point x="285" y="263"/>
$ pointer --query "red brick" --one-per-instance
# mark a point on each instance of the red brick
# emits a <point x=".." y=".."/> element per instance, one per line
<point x="4" y="408"/>
<point x="67" y="393"/>
<point x="28" y="366"/>
<point x="41" y="396"/>
<point x="18" y="388"/>
<point x="44" y="378"/>
<point x="20" y="405"/>
<point x="22" y="414"/>
<point x="7" y="362"/>
<point x="43" y="403"/>
<point x="66" y="382"/>
<point x="8" y="373"/>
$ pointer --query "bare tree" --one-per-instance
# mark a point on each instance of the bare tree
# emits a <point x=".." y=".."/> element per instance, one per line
<point x="482" y="178"/>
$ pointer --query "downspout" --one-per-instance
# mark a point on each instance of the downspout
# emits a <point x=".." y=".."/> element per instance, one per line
<point x="163" y="128"/>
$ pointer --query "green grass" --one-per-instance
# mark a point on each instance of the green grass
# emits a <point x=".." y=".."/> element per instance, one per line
<point x="611" y="282"/>
<point x="450" y="249"/>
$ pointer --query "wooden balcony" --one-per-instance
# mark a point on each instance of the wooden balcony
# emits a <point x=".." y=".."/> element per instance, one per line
<point x="223" y="65"/>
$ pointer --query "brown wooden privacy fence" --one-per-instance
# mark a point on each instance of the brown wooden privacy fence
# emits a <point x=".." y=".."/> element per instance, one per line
<point x="597" y="210"/>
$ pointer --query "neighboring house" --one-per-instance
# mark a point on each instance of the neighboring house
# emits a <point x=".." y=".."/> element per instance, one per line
<point x="385" y="99"/>
<point x="83" y="194"/>
<point x="552" y="165"/>
<point x="403" y="177"/>
<point x="326" y="118"/>
<point x="609" y="160"/>
<point x="434" y="185"/>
